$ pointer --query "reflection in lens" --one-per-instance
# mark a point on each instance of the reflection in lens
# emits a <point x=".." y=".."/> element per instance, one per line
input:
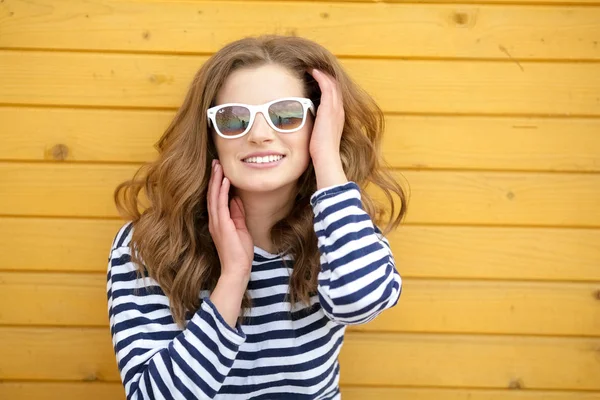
<point x="232" y="120"/>
<point x="287" y="114"/>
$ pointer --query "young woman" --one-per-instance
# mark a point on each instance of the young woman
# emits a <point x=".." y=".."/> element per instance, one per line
<point x="256" y="246"/>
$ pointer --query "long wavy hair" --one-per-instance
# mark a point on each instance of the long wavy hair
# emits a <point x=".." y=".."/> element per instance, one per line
<point x="171" y="242"/>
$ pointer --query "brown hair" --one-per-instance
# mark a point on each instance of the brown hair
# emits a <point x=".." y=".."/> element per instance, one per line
<point x="171" y="234"/>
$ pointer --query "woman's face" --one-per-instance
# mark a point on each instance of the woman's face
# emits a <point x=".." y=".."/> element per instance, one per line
<point x="255" y="86"/>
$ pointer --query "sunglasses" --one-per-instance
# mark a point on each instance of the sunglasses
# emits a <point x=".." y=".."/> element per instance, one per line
<point x="234" y="120"/>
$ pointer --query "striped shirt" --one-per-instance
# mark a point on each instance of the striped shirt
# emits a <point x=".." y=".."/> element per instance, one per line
<point x="280" y="351"/>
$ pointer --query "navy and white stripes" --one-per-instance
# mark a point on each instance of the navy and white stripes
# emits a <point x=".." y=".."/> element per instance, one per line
<point x="281" y="351"/>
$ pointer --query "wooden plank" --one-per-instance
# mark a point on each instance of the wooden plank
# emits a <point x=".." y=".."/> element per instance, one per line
<point x="80" y="245"/>
<point x="493" y="307"/>
<point x="425" y="306"/>
<point x="81" y="354"/>
<point x="504" y="143"/>
<point x="492" y="143"/>
<point x="54" y="299"/>
<point x="438" y="197"/>
<point x="497" y="253"/>
<point x="402" y="30"/>
<point x="470" y="361"/>
<point x="421" y="251"/>
<point x="454" y="87"/>
<point x="62" y="390"/>
<point x="360" y="393"/>
<point x="493" y="362"/>
<point x="502" y="198"/>
<point x="80" y="134"/>
<point x="89" y="189"/>
<point x="568" y="2"/>
<point x="102" y="391"/>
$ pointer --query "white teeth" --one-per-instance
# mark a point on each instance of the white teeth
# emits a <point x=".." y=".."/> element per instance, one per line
<point x="261" y="160"/>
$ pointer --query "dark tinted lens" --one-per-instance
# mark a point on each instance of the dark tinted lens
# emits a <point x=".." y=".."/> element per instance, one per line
<point x="232" y="120"/>
<point x="287" y="114"/>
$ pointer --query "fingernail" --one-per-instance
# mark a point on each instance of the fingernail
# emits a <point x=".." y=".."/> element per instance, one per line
<point x="213" y="162"/>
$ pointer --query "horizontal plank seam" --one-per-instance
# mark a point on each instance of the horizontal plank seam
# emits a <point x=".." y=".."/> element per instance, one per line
<point x="406" y="277"/>
<point x="441" y="2"/>
<point x="499" y="59"/>
<point x="470" y="388"/>
<point x="349" y="386"/>
<point x="544" y="116"/>
<point x="351" y="333"/>
<point x="392" y="169"/>
<point x="416" y="224"/>
<point x="489" y="388"/>
<point x="396" y="169"/>
<point x="354" y="331"/>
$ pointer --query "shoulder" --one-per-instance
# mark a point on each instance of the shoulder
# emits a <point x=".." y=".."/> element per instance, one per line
<point x="119" y="257"/>
<point x="121" y="266"/>
<point x="123" y="236"/>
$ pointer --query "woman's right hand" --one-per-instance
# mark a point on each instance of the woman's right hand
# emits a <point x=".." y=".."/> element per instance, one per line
<point x="227" y="226"/>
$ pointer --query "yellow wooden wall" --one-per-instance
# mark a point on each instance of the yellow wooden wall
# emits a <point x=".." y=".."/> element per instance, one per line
<point x="493" y="115"/>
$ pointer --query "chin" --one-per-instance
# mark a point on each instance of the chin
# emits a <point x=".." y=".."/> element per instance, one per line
<point x="263" y="185"/>
<point x="263" y="181"/>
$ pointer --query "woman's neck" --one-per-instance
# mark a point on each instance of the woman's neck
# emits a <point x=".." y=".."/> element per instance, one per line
<point x="263" y="210"/>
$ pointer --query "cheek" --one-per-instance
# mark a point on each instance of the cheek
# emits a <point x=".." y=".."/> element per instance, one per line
<point x="305" y="134"/>
<point x="225" y="152"/>
<point x="301" y="146"/>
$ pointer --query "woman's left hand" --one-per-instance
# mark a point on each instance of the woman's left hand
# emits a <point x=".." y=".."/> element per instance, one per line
<point x="327" y="132"/>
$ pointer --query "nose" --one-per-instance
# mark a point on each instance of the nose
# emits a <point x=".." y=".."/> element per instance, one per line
<point x="261" y="131"/>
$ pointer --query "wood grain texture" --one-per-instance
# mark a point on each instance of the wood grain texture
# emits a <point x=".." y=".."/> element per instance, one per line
<point x="448" y="306"/>
<point x="62" y="390"/>
<point x="114" y="391"/>
<point x="55" y="244"/>
<point x="497" y="252"/>
<point x="458" y="361"/>
<point x="500" y="2"/>
<point x="463" y="197"/>
<point x="423" y="142"/>
<point x="433" y="86"/>
<point x="386" y="359"/>
<point x="435" y="197"/>
<point x="355" y="29"/>
<point x="492" y="116"/>
<point x="360" y="393"/>
<point x="449" y="252"/>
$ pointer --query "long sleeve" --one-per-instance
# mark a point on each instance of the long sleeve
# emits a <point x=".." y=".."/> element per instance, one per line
<point x="358" y="278"/>
<point x="156" y="358"/>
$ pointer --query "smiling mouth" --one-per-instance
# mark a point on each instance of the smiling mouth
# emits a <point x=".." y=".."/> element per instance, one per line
<point x="262" y="160"/>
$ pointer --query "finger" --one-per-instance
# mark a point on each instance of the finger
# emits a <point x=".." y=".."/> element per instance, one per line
<point x="322" y="79"/>
<point x="334" y="88"/>
<point x="238" y="215"/>
<point x="223" y="203"/>
<point x="214" y="194"/>
<point x="325" y="88"/>
<point x="210" y="179"/>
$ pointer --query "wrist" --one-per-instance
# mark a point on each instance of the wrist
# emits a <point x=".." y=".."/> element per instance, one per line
<point x="237" y="282"/>
<point x="329" y="173"/>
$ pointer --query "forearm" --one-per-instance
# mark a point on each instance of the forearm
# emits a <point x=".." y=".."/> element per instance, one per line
<point x="358" y="278"/>
<point x="155" y="357"/>
<point x="227" y="297"/>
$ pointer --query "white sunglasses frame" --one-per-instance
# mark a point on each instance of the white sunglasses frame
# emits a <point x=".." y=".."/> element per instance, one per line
<point x="307" y="104"/>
